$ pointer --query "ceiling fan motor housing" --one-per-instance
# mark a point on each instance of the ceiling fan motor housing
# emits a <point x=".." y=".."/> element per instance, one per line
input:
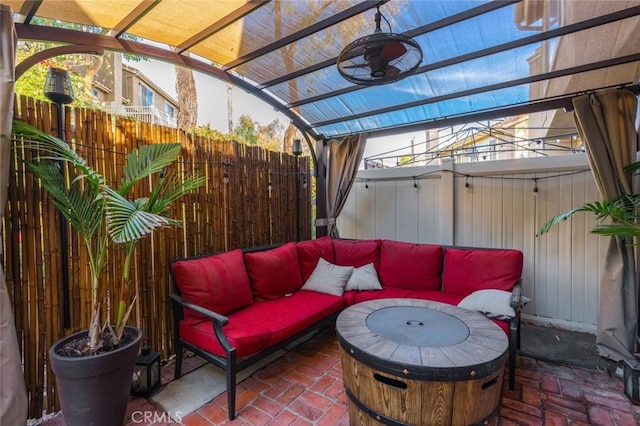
<point x="376" y="63"/>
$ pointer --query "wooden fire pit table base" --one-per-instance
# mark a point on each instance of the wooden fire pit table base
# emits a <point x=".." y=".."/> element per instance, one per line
<point x="417" y="362"/>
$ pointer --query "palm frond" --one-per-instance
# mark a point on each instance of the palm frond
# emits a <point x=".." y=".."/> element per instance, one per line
<point x="607" y="209"/>
<point x="169" y="188"/>
<point x="52" y="148"/>
<point x="78" y="203"/>
<point x="145" y="161"/>
<point x="128" y="221"/>
<point x="622" y="230"/>
<point x="632" y="168"/>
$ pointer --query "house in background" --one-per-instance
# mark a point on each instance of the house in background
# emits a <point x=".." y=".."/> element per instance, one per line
<point x="123" y="90"/>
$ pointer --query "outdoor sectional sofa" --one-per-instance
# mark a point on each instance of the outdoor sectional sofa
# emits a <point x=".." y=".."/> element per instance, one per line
<point x="238" y="307"/>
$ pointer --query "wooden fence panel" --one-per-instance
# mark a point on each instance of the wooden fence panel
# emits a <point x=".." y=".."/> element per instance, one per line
<point x="237" y="212"/>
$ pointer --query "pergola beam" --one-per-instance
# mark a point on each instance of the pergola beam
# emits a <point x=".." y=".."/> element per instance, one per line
<point x="54" y="51"/>
<point x="134" y="16"/>
<point x="564" y="102"/>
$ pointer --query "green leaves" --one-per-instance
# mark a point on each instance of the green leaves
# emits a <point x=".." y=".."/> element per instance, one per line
<point x="50" y="148"/>
<point x="623" y="211"/>
<point x="104" y="214"/>
<point x="78" y="203"/>
<point x="146" y="161"/>
<point x="129" y="220"/>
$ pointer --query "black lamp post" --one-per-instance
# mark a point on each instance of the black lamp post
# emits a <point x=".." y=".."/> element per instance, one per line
<point x="296" y="150"/>
<point x="58" y="89"/>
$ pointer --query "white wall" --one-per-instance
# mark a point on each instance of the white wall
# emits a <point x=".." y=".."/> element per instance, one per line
<point x="561" y="269"/>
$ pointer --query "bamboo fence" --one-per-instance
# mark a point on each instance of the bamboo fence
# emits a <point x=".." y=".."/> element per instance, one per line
<point x="255" y="206"/>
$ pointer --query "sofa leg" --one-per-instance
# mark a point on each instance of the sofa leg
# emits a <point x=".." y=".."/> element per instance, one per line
<point x="177" y="372"/>
<point x="514" y="340"/>
<point x="519" y="331"/>
<point x="231" y="385"/>
<point x="512" y="368"/>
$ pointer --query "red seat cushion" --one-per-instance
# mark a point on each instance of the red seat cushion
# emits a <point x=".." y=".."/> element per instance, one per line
<point x="357" y="253"/>
<point x="410" y="266"/>
<point x="349" y="297"/>
<point x="274" y="273"/>
<point x="264" y="324"/>
<point x="218" y="282"/>
<point x="469" y="270"/>
<point x="309" y="252"/>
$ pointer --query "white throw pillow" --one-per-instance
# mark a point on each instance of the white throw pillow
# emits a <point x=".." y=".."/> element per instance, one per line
<point x="328" y="278"/>
<point x="364" y="278"/>
<point x="492" y="303"/>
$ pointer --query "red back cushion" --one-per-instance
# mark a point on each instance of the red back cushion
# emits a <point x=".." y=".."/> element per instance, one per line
<point x="309" y="252"/>
<point x="469" y="270"/>
<point x="410" y="266"/>
<point x="357" y="253"/>
<point x="219" y="283"/>
<point x="274" y="273"/>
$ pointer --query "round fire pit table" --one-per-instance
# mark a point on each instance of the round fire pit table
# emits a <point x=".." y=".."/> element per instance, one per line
<point x="417" y="362"/>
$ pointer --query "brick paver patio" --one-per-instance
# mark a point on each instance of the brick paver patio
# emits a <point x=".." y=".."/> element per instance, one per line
<point x="304" y="387"/>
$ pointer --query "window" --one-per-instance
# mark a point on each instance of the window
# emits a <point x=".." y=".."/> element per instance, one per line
<point x="146" y="96"/>
<point x="169" y="109"/>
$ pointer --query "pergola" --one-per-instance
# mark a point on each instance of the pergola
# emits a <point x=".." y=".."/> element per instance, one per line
<point x="482" y="59"/>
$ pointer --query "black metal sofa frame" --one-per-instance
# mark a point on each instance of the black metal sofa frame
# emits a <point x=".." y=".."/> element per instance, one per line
<point x="229" y="363"/>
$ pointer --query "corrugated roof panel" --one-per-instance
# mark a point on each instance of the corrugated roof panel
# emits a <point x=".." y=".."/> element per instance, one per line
<point x="506" y="97"/>
<point x="98" y="13"/>
<point x="329" y="42"/>
<point x="175" y="21"/>
<point x="424" y="113"/>
<point x="266" y="25"/>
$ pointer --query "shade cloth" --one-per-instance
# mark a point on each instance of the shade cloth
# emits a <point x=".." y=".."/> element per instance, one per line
<point x="606" y="122"/>
<point x="344" y="158"/>
<point x="13" y="395"/>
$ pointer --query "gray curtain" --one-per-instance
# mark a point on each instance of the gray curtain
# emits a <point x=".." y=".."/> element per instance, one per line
<point x="344" y="159"/>
<point x="13" y="396"/>
<point x="606" y="122"/>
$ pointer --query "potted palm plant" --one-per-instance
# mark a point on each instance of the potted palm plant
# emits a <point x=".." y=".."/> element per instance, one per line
<point x="94" y="367"/>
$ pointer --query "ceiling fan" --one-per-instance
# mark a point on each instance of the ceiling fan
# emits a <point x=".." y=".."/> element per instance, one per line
<point x="379" y="58"/>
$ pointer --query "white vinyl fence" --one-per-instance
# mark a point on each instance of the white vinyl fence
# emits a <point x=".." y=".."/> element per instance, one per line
<point x="499" y="209"/>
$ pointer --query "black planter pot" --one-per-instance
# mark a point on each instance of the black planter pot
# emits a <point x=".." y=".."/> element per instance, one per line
<point x="95" y="390"/>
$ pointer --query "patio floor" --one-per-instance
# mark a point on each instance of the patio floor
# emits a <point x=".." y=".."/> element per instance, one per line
<point x="304" y="387"/>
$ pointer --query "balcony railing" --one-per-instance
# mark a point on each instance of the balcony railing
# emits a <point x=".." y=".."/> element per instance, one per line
<point x="149" y="114"/>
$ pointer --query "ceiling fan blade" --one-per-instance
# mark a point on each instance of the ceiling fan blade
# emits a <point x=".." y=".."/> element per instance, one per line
<point x="355" y="66"/>
<point x="392" y="51"/>
<point x="391" y="71"/>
